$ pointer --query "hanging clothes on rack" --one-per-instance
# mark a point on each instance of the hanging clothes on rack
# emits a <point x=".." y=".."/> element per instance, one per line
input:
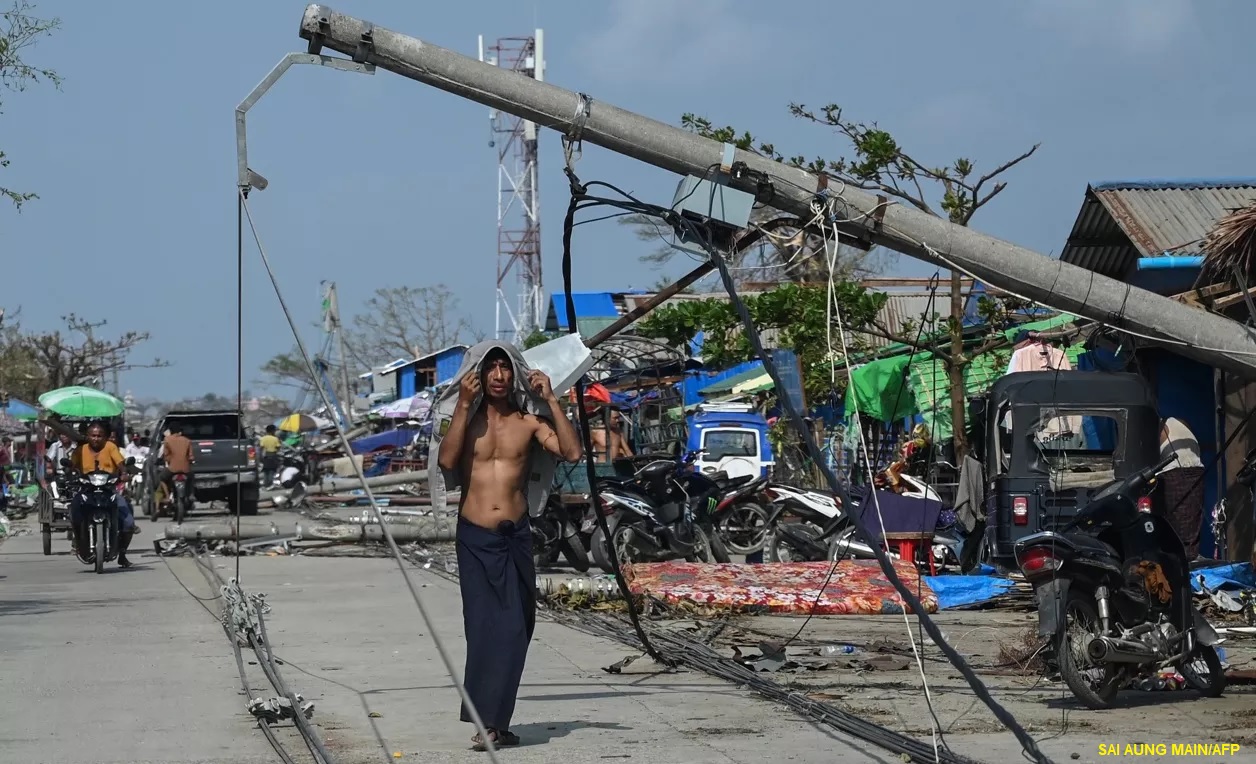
<point x="1034" y="354"/>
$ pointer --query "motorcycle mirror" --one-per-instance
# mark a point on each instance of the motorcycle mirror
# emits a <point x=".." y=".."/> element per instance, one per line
<point x="65" y="462"/>
<point x="130" y="461"/>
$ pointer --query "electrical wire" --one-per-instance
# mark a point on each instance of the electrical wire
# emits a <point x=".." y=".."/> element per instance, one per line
<point x="1151" y="338"/>
<point x="701" y="657"/>
<point x="474" y="713"/>
<point x="240" y="450"/>
<point x="701" y="236"/>
<point x="215" y="581"/>
<point x="1001" y="713"/>
<point x="578" y="195"/>
<point x="935" y="724"/>
<point x="867" y="457"/>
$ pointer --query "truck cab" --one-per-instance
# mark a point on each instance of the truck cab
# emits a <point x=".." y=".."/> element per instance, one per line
<point x="224" y="455"/>
<point x="733" y="439"/>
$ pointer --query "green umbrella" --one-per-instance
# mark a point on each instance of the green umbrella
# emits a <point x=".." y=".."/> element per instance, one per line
<point x="85" y="402"/>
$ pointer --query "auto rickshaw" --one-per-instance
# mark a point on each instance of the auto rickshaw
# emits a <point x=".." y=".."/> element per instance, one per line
<point x="1048" y="440"/>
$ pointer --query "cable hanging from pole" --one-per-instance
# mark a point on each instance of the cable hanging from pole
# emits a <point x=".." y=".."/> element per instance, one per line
<point x="578" y="194"/>
<point x="476" y="719"/>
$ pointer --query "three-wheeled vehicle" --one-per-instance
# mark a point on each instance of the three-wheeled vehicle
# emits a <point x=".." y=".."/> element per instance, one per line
<point x="1054" y="438"/>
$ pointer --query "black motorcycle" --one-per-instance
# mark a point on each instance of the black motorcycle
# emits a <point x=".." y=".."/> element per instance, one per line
<point x="181" y="500"/>
<point x="98" y="493"/>
<point x="1114" y="597"/>
<point x="662" y="512"/>
<point x="555" y="531"/>
<point x="741" y="517"/>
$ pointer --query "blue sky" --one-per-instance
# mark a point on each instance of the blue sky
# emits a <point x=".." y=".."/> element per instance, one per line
<point x="380" y="181"/>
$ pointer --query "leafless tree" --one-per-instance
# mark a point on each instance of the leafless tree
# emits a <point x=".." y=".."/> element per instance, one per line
<point x="20" y="29"/>
<point x="35" y="362"/>
<point x="407" y="322"/>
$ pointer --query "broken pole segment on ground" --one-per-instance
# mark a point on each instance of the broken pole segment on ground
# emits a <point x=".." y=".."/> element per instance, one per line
<point x="429" y="529"/>
<point x="1194" y="333"/>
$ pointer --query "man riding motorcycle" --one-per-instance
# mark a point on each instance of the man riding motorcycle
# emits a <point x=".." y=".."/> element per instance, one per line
<point x="98" y="453"/>
<point x="177" y="458"/>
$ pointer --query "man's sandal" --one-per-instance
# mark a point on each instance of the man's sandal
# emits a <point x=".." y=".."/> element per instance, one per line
<point x="500" y="738"/>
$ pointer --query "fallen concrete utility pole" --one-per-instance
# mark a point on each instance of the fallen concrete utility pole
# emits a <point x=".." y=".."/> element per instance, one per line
<point x="403" y="530"/>
<point x="1189" y="331"/>
<point x="749" y="239"/>
<point x="336" y="485"/>
<point x="393" y="500"/>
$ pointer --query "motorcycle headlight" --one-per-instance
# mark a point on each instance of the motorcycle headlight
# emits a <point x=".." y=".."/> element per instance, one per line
<point x="98" y="479"/>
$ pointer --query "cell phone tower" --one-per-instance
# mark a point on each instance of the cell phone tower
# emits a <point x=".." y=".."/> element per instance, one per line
<point x="518" y="209"/>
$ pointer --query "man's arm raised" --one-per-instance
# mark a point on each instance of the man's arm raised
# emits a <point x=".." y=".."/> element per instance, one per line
<point x="558" y="437"/>
<point x="454" y="438"/>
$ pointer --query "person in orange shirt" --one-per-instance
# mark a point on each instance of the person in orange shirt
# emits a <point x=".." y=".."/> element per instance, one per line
<point x="101" y="454"/>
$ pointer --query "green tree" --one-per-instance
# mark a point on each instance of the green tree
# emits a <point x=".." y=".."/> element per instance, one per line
<point x="538" y="337"/>
<point x="20" y="30"/>
<point x="792" y="316"/>
<point x="877" y="162"/>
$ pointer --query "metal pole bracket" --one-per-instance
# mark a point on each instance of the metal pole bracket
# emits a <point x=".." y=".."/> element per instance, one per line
<point x="246" y="179"/>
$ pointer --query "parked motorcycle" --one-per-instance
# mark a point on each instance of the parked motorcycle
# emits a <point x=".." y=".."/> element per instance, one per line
<point x="98" y="492"/>
<point x="1114" y="596"/>
<point x="663" y="512"/>
<point x="808" y="526"/>
<point x="741" y="517"/>
<point x="555" y="532"/>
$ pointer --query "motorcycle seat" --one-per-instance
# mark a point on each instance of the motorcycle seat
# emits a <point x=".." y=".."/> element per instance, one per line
<point x="615" y="480"/>
<point x="733" y="482"/>
<point x="1088" y="543"/>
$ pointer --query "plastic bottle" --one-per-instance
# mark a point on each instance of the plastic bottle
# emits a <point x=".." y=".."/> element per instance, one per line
<point x="832" y="651"/>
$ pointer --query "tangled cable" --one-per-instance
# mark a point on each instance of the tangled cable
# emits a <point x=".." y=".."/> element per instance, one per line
<point x="703" y="236"/>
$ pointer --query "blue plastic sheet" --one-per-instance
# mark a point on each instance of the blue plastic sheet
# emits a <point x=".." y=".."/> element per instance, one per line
<point x="960" y="591"/>
<point x="1238" y="575"/>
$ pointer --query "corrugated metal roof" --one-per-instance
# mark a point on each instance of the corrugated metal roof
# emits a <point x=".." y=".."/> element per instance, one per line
<point x="728" y="383"/>
<point x="901" y="308"/>
<point x="1121" y="221"/>
<point x="587" y="304"/>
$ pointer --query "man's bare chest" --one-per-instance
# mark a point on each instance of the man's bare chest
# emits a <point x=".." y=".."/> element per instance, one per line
<point x="508" y="440"/>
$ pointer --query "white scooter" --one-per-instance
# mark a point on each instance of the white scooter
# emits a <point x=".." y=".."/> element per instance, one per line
<point x="135" y="484"/>
<point x="811" y="525"/>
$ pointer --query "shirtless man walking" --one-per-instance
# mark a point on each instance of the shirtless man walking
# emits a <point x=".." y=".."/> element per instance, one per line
<point x="489" y="446"/>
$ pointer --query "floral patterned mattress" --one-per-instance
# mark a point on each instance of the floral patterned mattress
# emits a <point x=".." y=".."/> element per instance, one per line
<point x="857" y="587"/>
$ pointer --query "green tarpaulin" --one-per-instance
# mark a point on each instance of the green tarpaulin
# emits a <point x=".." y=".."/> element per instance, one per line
<point x="877" y="390"/>
<point x="874" y="387"/>
<point x="932" y="388"/>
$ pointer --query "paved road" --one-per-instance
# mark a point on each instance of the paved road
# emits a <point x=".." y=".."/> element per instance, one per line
<point x="353" y="643"/>
<point x="121" y="668"/>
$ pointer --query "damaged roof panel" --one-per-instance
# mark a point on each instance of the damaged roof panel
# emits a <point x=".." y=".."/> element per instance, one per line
<point x="1121" y="221"/>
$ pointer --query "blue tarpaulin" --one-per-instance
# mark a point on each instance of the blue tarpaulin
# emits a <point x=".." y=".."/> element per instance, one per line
<point x="1237" y="575"/>
<point x="399" y="438"/>
<point x="961" y="591"/>
<point x="20" y="409"/>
